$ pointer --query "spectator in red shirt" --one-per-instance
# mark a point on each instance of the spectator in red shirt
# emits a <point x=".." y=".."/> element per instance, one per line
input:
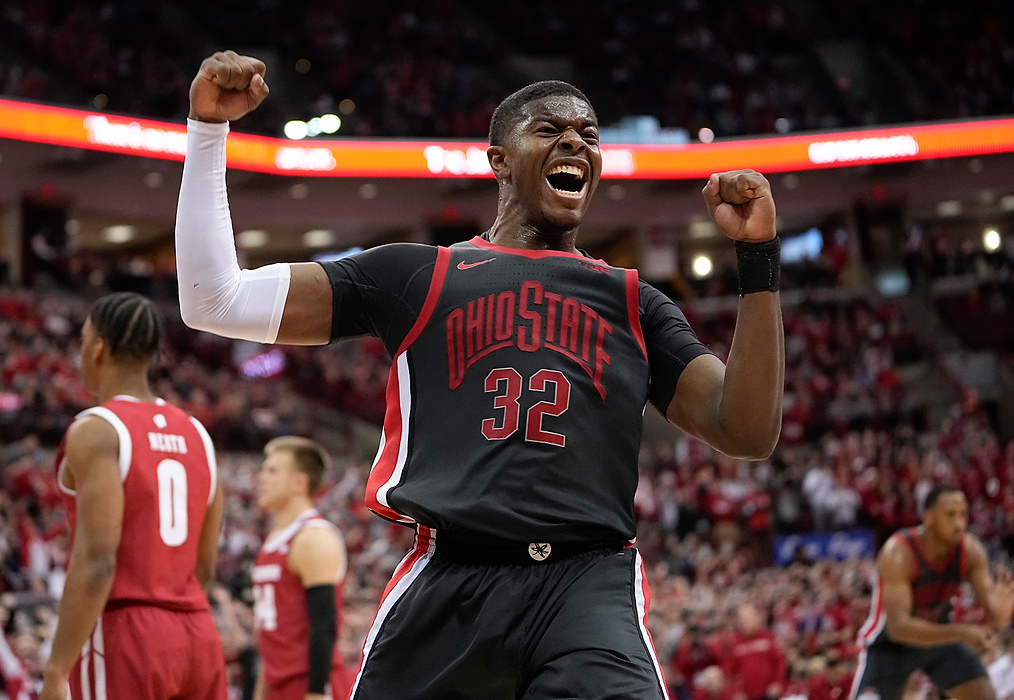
<point x="692" y="656"/>
<point x="756" y="663"/>
<point x="830" y="680"/>
<point x="711" y="684"/>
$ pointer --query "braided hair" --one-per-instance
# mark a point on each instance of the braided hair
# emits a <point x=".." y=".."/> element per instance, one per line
<point x="129" y="325"/>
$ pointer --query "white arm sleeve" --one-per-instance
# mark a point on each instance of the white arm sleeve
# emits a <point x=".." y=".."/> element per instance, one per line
<point x="215" y="295"/>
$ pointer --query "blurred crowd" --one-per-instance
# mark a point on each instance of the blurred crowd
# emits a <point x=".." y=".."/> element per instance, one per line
<point x="857" y="452"/>
<point x="438" y="69"/>
<point x="972" y="288"/>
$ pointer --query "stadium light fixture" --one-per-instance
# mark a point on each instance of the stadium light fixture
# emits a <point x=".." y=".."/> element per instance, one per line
<point x="702" y="266"/>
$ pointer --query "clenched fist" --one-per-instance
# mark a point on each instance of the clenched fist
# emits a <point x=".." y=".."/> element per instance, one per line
<point x="226" y="87"/>
<point x="740" y="202"/>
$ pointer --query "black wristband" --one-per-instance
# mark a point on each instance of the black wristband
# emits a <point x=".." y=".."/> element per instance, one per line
<point x="320" y="605"/>
<point x="760" y="266"/>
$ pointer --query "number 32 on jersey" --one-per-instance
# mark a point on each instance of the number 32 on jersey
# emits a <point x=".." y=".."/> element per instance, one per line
<point x="507" y="384"/>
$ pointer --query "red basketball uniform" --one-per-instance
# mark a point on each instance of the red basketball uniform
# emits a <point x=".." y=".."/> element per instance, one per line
<point x="282" y="621"/>
<point x="156" y="639"/>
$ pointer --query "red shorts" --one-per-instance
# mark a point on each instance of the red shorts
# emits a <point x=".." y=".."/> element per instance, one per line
<point x="294" y="688"/>
<point x="147" y="653"/>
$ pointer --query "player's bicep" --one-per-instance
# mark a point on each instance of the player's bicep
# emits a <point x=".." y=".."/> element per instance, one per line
<point x="894" y="570"/>
<point x="93" y="461"/>
<point x="306" y="319"/>
<point x="671" y="344"/>
<point x="695" y="404"/>
<point x="317" y="556"/>
<point x="897" y="601"/>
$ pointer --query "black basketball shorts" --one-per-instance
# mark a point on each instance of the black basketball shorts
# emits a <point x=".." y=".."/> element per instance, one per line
<point x="884" y="668"/>
<point x="572" y="628"/>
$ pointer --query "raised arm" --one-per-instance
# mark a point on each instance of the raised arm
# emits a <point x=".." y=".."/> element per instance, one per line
<point x="215" y="295"/>
<point x="894" y="568"/>
<point x="92" y="453"/>
<point x="737" y="407"/>
<point x="996" y="598"/>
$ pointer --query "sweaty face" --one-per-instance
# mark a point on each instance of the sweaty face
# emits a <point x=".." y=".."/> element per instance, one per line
<point x="555" y="163"/>
<point x="948" y="518"/>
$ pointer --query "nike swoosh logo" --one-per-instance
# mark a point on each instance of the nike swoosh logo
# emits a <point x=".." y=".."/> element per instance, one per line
<point x="465" y="265"/>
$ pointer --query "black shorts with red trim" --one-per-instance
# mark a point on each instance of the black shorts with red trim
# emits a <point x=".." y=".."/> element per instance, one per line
<point x="886" y="666"/>
<point x="564" y="627"/>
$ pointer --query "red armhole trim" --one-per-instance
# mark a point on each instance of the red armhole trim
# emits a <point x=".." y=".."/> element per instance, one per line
<point x="634" y="315"/>
<point x="962" y="555"/>
<point x="912" y="543"/>
<point x="436" y="284"/>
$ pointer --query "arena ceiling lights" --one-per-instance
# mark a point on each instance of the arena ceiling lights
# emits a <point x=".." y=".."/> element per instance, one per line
<point x="25" y="121"/>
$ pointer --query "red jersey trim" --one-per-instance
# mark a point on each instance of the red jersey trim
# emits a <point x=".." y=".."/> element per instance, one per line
<point x="404" y="576"/>
<point x="436" y="285"/>
<point x="480" y="242"/>
<point x="126" y="444"/>
<point x="871" y="628"/>
<point x="633" y="309"/>
<point x="643" y="603"/>
<point x="392" y="453"/>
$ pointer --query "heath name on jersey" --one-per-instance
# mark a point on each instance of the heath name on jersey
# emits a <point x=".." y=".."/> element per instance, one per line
<point x="161" y="442"/>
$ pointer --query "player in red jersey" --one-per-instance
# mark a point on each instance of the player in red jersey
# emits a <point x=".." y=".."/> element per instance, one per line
<point x="919" y="572"/>
<point x="140" y="487"/>
<point x="298" y="579"/>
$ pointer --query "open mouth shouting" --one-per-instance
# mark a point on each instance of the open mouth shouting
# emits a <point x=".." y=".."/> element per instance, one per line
<point x="568" y="179"/>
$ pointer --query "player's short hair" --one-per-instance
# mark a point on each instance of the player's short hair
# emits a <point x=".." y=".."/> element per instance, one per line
<point x="509" y="111"/>
<point x="936" y="492"/>
<point x="129" y="324"/>
<point x="309" y="457"/>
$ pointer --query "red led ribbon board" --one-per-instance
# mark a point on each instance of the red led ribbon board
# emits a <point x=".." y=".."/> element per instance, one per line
<point x="25" y="121"/>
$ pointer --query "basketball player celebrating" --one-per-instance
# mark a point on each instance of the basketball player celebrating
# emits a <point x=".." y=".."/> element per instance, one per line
<point x="919" y="570"/>
<point x="141" y="491"/>
<point x="514" y="405"/>
<point x="297" y="579"/>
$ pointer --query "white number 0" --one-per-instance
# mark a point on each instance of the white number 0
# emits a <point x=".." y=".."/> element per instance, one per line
<point x="172" y="502"/>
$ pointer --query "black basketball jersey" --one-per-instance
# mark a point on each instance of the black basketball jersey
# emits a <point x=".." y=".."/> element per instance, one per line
<point x="933" y="588"/>
<point x="934" y="585"/>
<point x="514" y="404"/>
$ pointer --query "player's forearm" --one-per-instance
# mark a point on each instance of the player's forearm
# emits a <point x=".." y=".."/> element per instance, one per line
<point x="89" y="580"/>
<point x="215" y="295"/>
<point x="922" y="633"/>
<point x="750" y="411"/>
<point x="320" y="604"/>
<point x="205" y="573"/>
